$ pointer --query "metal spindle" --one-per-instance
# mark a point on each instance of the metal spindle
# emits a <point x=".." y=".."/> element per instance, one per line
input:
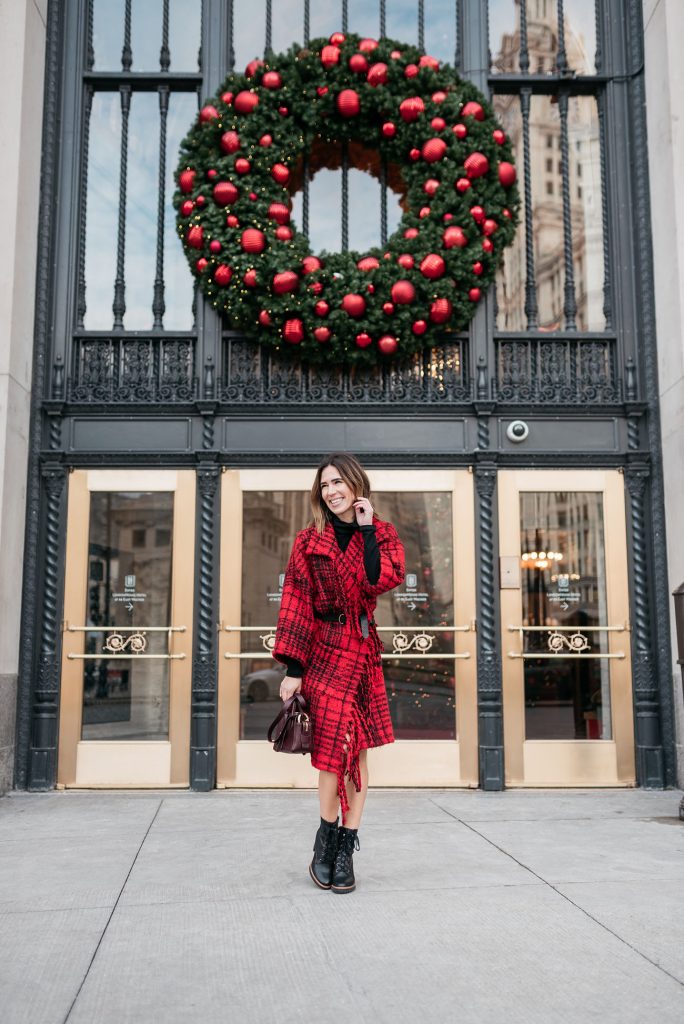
<point x="531" y="311"/>
<point x="269" y="26"/>
<point x="119" y="304"/>
<point x="90" y="52"/>
<point x="607" y="282"/>
<point x="127" y="53"/>
<point x="231" y="35"/>
<point x="158" y="304"/>
<point x="570" y="304"/>
<point x="421" y="24"/>
<point x="457" y="35"/>
<point x="383" y="18"/>
<point x="307" y="22"/>
<point x="524" y="52"/>
<point x="598" y="55"/>
<point x="345" y="16"/>
<point x="561" y="56"/>
<point x="345" y="196"/>
<point x="164" y="53"/>
<point x="305" y="196"/>
<point x="81" y="288"/>
<point x="383" y="202"/>
<point x="200" y="55"/>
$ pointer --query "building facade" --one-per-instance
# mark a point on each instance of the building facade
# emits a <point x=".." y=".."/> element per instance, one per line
<point x="169" y="457"/>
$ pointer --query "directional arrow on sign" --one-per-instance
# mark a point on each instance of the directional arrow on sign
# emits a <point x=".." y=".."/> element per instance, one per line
<point x="129" y="607"/>
<point x="565" y="606"/>
<point x="413" y="606"/>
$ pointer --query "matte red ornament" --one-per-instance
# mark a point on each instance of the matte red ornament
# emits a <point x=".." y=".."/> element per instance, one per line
<point x="322" y="334"/>
<point x="477" y="268"/>
<point x="201" y="201"/>
<point x="224" y="193"/>
<point x="215" y="245"/>
<point x="242" y="166"/>
<point x="202" y="264"/>
<point x="454" y="237"/>
<point x="280" y="174"/>
<point x="366" y="45"/>
<point x="223" y="275"/>
<point x="387" y="345"/>
<point x="440" y="311"/>
<point x="424" y="212"/>
<point x="377" y="75"/>
<point x="253" y="67"/>
<point x="266" y="141"/>
<point x="411" y="108"/>
<point x="426" y="61"/>
<point x="354" y="305"/>
<point x="414" y="154"/>
<point x="227" y="98"/>
<point x="439" y="96"/>
<point x="358" y="63"/>
<point x="474" y="294"/>
<point x="286" y="281"/>
<point x="431" y="186"/>
<point x="363" y="340"/>
<point x="499" y="136"/>
<point x="253" y="240"/>
<point x="330" y="56"/>
<point x="432" y="266"/>
<point x="348" y="103"/>
<point x="388" y="308"/>
<point x="284" y="233"/>
<point x="271" y="80"/>
<point x="337" y="38"/>
<point x="410" y="232"/>
<point x="208" y="113"/>
<point x="473" y="109"/>
<point x="406" y="260"/>
<point x="293" y="331"/>
<point x="460" y="131"/>
<point x="311" y="263"/>
<point x="186" y="207"/>
<point x="389" y="130"/>
<point x="264" y="318"/>
<point x="438" y="123"/>
<point x="477" y="213"/>
<point x="487" y="245"/>
<point x="411" y="70"/>
<point x="433" y="150"/>
<point x="316" y="287"/>
<point x="448" y="216"/>
<point x="371" y="289"/>
<point x="507" y="174"/>
<point x="489" y="226"/>
<point x="186" y="181"/>
<point x="250" y="278"/>
<point x="279" y="212"/>
<point x="245" y="102"/>
<point x="476" y="165"/>
<point x="211" y="173"/>
<point x="419" y="327"/>
<point x="322" y="90"/>
<point x="462" y="185"/>
<point x="322" y="308"/>
<point x="368" y="263"/>
<point x="232" y="221"/>
<point x="195" y="237"/>
<point x="230" y="142"/>
<point x="403" y="292"/>
<point x="507" y="213"/>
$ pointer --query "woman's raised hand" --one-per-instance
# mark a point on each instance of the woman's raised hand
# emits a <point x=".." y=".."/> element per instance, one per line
<point x="364" y="512"/>
<point x="288" y="686"/>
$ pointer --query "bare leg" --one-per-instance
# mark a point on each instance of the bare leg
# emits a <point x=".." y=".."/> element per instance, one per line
<point x="327" y="795"/>
<point x="357" y="800"/>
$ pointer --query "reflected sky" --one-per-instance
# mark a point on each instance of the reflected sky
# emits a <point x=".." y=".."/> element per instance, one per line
<point x="580" y="30"/>
<point x="146" y="34"/>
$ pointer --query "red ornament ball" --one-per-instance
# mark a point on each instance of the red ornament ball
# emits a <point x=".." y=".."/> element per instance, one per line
<point x="440" y="311"/>
<point x="462" y="185"/>
<point x="208" y="113"/>
<point x="387" y="345"/>
<point x="438" y="97"/>
<point x="284" y="233"/>
<point x="232" y="221"/>
<point x="322" y="308"/>
<point x="432" y="266"/>
<point x="253" y="240"/>
<point x="448" y="216"/>
<point x="223" y="275"/>
<point x="211" y="173"/>
<point x="186" y="207"/>
<point x="424" y="212"/>
<point x="283" y="111"/>
<point x="438" y="123"/>
<point x="476" y="165"/>
<point x="293" y="331"/>
<point x="195" y="237"/>
<point x="426" y="61"/>
<point x="477" y="213"/>
<point x="410" y="232"/>
<point x="489" y="226"/>
<point x="321" y="90"/>
<point x="474" y="294"/>
<point x="245" y="102"/>
<point x="414" y="154"/>
<point x="316" y="287"/>
<point x="348" y="103"/>
<point x="387" y="308"/>
<point x="487" y="245"/>
<point x="410" y="109"/>
<point x="363" y="340"/>
<point x="377" y="75"/>
<point x="389" y="130"/>
<point x="279" y="212"/>
<point x="419" y="327"/>
<point x="253" y="67"/>
<point x="406" y="261"/>
<point x="330" y="56"/>
<point x="403" y="292"/>
<point x="227" y="98"/>
<point x="201" y="200"/>
<point x="215" y="245"/>
<point x="395" y="54"/>
<point x="460" y="131"/>
<point x="242" y="166"/>
<point x="264" y="318"/>
<point x="271" y="80"/>
<point x="266" y="141"/>
<point x="411" y="70"/>
<point x="507" y="174"/>
<point x="310" y="263"/>
<point x="477" y="268"/>
<point x="337" y="38"/>
<point x="368" y="44"/>
<point x="368" y="263"/>
<point x="280" y="174"/>
<point x="202" y="264"/>
<point x="358" y="63"/>
<point x="250" y="278"/>
<point x="499" y="136"/>
<point x="230" y="142"/>
<point x="473" y="109"/>
<point x="354" y="305"/>
<point x="225" y="192"/>
<point x="431" y="186"/>
<point x="433" y="150"/>
<point x="507" y="213"/>
<point x="454" y="237"/>
<point x="322" y="334"/>
<point x="286" y="281"/>
<point x="186" y="180"/>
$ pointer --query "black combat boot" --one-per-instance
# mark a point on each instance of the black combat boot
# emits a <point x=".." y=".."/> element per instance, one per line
<point x="343" y="872"/>
<point x="325" y="848"/>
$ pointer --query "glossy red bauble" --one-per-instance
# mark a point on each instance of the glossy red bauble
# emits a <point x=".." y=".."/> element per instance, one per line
<point x="286" y="281"/>
<point x="410" y="232"/>
<point x="271" y="80"/>
<point x="366" y="45"/>
<point x="489" y="226"/>
<point x="387" y="308"/>
<point x="363" y="340"/>
<point x="358" y="63"/>
<point x="433" y="150"/>
<point x="454" y="237"/>
<point x="266" y="141"/>
<point x="411" y="108"/>
<point x="322" y="90"/>
<point x="322" y="334"/>
<point x="348" y="103"/>
<point x="460" y="131"/>
<point x="186" y="207"/>
<point x="250" y="278"/>
<point x="224" y="193"/>
<point x="438" y="124"/>
<point x="395" y="54"/>
<point x="253" y="240"/>
<point x="208" y="113"/>
<point x="316" y="287"/>
<point x="462" y="185"/>
<point x="253" y="67"/>
<point x="424" y="212"/>
<point x="426" y="61"/>
<point x="242" y="166"/>
<point x="406" y="260"/>
<point x="473" y="109"/>
<point x="280" y="174"/>
<point x="279" y="212"/>
<point x="477" y="268"/>
<point x="186" y="181"/>
<point x="245" y="102"/>
<point x="432" y="266"/>
<point x="387" y="345"/>
<point x="419" y="327"/>
<point x="499" y="136"/>
<point x="284" y="233"/>
<point x="507" y="214"/>
<point x="215" y="246"/>
<point x="414" y="154"/>
<point x="354" y="305"/>
<point x="293" y="331"/>
<point x="337" y="38"/>
<point x="507" y="174"/>
<point x="211" y="173"/>
<point x="487" y="245"/>
<point x="195" y="237"/>
<point x="440" y="311"/>
<point x="368" y="263"/>
<point x="227" y="98"/>
<point x="411" y="70"/>
<point x="477" y="213"/>
<point x="310" y="263"/>
<point x="389" y="130"/>
<point x="201" y="264"/>
<point x="264" y="318"/>
<point x="439" y="96"/>
<point x="201" y="201"/>
<point x="474" y="294"/>
<point x="322" y="308"/>
<point x="223" y="275"/>
<point x="330" y="56"/>
<point x="448" y="216"/>
<point x="230" y="142"/>
<point x="431" y="186"/>
<point x="403" y="292"/>
<point x="476" y="165"/>
<point x="283" y="111"/>
<point x="232" y="221"/>
<point x="377" y="75"/>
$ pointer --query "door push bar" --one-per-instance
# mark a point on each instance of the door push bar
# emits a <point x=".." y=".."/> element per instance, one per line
<point x="119" y="645"/>
<point x="565" y="641"/>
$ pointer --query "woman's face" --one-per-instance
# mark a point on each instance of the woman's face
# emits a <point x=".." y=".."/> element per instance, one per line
<point x="337" y="494"/>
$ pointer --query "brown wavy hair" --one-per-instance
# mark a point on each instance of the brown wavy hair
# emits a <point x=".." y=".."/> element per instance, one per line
<point x="353" y="474"/>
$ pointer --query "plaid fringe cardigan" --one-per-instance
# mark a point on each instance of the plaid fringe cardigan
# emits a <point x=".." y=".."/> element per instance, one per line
<point x="342" y="677"/>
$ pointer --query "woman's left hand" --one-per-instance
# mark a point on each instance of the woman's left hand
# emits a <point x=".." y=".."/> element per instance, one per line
<point x="364" y="512"/>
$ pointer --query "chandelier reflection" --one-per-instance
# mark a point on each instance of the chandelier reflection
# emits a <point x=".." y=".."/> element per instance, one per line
<point x="540" y="559"/>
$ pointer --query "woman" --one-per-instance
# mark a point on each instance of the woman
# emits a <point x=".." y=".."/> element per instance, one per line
<point x="327" y="638"/>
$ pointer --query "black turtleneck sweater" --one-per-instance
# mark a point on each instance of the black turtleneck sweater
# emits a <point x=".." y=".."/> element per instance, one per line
<point x="371" y="563"/>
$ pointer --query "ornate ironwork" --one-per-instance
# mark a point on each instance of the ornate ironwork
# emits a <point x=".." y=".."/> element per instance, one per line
<point x="119" y="304"/>
<point x="531" y="310"/>
<point x="421" y="642"/>
<point x="117" y="643"/>
<point x="132" y="369"/>
<point x="558" y="643"/>
<point x="203" y="727"/>
<point x="569" y="371"/>
<point x="489" y="696"/>
<point x="570" y="300"/>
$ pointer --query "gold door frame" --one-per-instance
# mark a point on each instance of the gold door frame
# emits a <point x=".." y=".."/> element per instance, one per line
<point x="253" y="763"/>
<point x="568" y="762"/>
<point x="127" y="763"/>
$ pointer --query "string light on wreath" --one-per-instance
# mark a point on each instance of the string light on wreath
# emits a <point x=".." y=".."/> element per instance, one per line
<point x="446" y="155"/>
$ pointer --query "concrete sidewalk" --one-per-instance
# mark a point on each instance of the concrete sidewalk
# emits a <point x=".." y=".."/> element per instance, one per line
<point x="553" y="906"/>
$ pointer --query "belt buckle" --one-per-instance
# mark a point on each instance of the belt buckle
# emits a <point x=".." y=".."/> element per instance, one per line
<point x="342" y="619"/>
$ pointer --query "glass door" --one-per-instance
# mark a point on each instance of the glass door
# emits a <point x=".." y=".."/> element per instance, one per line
<point x="427" y="627"/>
<point x="565" y="623"/>
<point x="127" y="637"/>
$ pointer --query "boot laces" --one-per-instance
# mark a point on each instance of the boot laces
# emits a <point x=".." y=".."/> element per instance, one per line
<point x="348" y="842"/>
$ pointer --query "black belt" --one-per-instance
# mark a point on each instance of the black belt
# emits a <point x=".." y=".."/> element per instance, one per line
<point x="341" y="619"/>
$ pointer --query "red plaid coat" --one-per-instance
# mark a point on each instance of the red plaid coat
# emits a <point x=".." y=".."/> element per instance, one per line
<point x="342" y="678"/>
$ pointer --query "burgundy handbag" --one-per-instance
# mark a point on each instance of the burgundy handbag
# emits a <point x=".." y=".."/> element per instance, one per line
<point x="290" y="733"/>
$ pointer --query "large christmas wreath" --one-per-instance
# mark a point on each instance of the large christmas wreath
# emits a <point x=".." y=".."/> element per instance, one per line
<point x="401" y="113"/>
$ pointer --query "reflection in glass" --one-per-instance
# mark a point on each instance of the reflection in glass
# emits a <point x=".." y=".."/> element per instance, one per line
<point x="421" y="691"/>
<point x="102" y="209"/>
<point x="364" y="17"/>
<point x="146" y="34"/>
<point x="141" y="209"/>
<point x="440" y="29"/>
<point x="564" y="591"/>
<point x="178" y="282"/>
<point x="129" y="584"/>
<point x="401" y="21"/>
<point x="364" y="210"/>
<point x="325" y="220"/>
<point x="185" y="23"/>
<point x="108" y="34"/>
<point x="542" y="35"/>
<point x="249" y="31"/>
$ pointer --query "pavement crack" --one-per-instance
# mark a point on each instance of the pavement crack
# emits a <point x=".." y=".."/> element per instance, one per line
<point x="563" y="896"/>
<point x="113" y="910"/>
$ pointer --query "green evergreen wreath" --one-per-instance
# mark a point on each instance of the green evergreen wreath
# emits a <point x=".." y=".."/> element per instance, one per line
<point x="443" y="151"/>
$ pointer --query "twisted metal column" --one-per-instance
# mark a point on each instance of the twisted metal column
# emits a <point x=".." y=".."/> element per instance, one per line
<point x="203" y="722"/>
<point x="489" y="688"/>
<point x="119" y="304"/>
<point x="570" y="304"/>
<point x="158" y="303"/>
<point x="531" y="312"/>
